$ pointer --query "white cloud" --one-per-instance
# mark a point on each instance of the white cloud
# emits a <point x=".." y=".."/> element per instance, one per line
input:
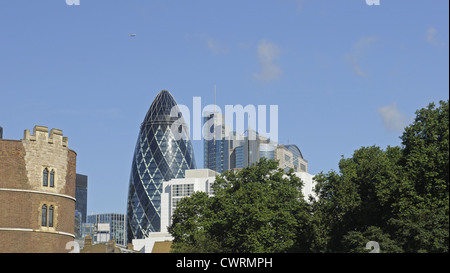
<point x="431" y="36"/>
<point x="356" y="68"/>
<point x="358" y="52"/>
<point x="392" y="118"/>
<point x="215" y="46"/>
<point x="268" y="54"/>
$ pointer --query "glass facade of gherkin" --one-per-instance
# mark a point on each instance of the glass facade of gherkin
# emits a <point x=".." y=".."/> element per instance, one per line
<point x="163" y="152"/>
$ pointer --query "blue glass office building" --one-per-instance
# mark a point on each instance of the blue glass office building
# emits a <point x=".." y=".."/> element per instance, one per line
<point x="116" y="223"/>
<point x="160" y="155"/>
<point x="216" y="147"/>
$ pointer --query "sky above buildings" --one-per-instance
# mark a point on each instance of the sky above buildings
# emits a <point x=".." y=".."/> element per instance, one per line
<point x="343" y="74"/>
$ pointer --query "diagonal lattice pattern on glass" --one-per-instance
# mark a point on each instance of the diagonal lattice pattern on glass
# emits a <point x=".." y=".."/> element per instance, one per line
<point x="159" y="156"/>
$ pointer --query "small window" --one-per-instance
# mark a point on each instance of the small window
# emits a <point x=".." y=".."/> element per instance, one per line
<point x="52" y="178"/>
<point x="287" y="158"/>
<point x="303" y="167"/>
<point x="44" y="216"/>
<point x="45" y="178"/>
<point x="50" y="216"/>
<point x="188" y="189"/>
<point x="177" y="190"/>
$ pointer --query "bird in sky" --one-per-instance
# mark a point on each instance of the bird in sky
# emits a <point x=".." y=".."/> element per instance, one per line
<point x="132" y="35"/>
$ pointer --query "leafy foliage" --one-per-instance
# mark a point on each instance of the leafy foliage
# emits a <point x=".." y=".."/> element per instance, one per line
<point x="398" y="197"/>
<point x="401" y="195"/>
<point x="258" y="209"/>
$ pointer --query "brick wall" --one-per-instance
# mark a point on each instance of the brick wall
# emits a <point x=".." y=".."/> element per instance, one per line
<point x="22" y="196"/>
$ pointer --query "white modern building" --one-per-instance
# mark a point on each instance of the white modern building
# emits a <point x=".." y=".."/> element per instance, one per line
<point x="101" y="233"/>
<point x="173" y="191"/>
<point x="308" y="184"/>
<point x="176" y="189"/>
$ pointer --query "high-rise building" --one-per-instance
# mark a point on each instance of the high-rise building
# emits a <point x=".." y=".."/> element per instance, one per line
<point x="163" y="152"/>
<point x="80" y="206"/>
<point x="300" y="164"/>
<point x="216" y="146"/>
<point x="245" y="149"/>
<point x="81" y="196"/>
<point x="254" y="146"/>
<point x="112" y="224"/>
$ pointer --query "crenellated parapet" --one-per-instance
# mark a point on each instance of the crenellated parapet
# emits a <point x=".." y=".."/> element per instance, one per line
<point x="37" y="192"/>
<point x="41" y="134"/>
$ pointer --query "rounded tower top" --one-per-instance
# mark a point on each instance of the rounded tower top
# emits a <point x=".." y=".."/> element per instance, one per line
<point x="161" y="108"/>
<point x="161" y="154"/>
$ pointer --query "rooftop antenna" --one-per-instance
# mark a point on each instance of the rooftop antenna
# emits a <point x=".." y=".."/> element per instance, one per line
<point x="215" y="115"/>
<point x="214" y="98"/>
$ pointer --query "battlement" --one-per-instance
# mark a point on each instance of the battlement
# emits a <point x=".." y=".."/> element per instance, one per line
<point x="41" y="134"/>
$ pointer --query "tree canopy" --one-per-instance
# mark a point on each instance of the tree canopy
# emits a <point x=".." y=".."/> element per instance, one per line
<point x="258" y="209"/>
<point x="397" y="197"/>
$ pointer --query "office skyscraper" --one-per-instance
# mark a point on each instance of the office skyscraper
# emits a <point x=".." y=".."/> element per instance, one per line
<point x="163" y="152"/>
<point x="216" y="147"/>
<point x="81" y="187"/>
<point x="116" y="223"/>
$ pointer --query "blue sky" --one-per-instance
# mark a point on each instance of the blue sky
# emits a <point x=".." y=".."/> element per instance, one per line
<point x="343" y="74"/>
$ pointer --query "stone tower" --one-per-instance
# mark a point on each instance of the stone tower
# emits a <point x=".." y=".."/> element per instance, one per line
<point x="37" y="192"/>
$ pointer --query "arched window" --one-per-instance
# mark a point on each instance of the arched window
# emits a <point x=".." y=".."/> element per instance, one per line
<point x="50" y="216"/>
<point x="44" y="216"/>
<point x="45" y="178"/>
<point x="52" y="178"/>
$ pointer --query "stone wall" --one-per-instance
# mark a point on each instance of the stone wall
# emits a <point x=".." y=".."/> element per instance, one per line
<point x="22" y="193"/>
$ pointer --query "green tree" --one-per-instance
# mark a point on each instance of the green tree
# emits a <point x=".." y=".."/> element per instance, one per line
<point x="357" y="198"/>
<point x="191" y="222"/>
<point x="356" y="241"/>
<point x="258" y="209"/>
<point x="422" y="210"/>
<point x="399" y="196"/>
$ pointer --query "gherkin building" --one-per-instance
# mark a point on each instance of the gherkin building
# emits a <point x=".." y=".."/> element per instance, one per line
<point x="163" y="152"/>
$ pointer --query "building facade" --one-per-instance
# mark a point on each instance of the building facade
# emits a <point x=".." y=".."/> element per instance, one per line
<point x="173" y="191"/>
<point x="37" y="192"/>
<point x="224" y="149"/>
<point x="216" y="146"/>
<point x="81" y="190"/>
<point x="247" y="150"/>
<point x="177" y="189"/>
<point x="116" y="227"/>
<point x="163" y="151"/>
